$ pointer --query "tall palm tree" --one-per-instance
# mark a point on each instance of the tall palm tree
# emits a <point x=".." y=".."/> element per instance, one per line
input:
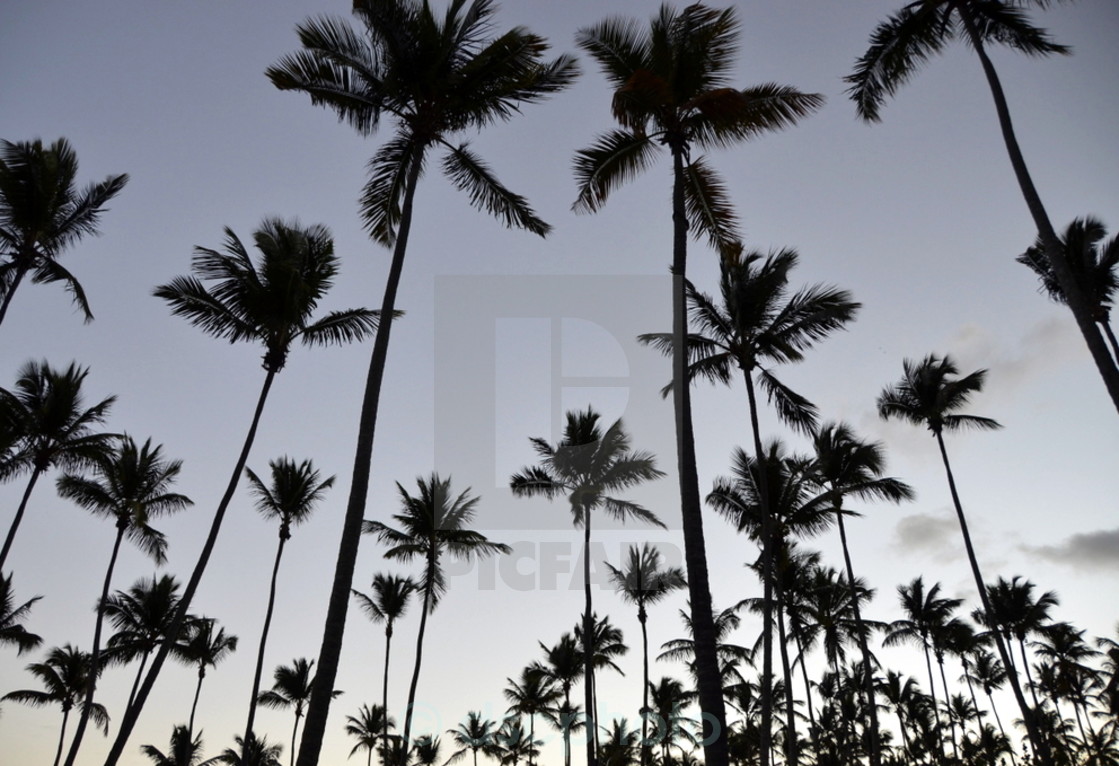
<point x="563" y="666"/>
<point x="606" y="642"/>
<point x="294" y="491"/>
<point x="436" y="77"/>
<point x="669" y="698"/>
<point x="291" y="688"/>
<point x="432" y="523"/>
<point x="65" y="674"/>
<point x="590" y="466"/>
<point x="42" y="213"/>
<point x="184" y="750"/>
<point x="473" y="735"/>
<point x="132" y="486"/>
<point x="270" y="302"/>
<point x="644" y="582"/>
<point x="1094" y="264"/>
<point x="534" y="693"/>
<point x="672" y="88"/>
<point x="49" y="426"/>
<point x="205" y="646"/>
<point x="370" y="727"/>
<point x="1015" y="612"/>
<point x="388" y="604"/>
<point x="931" y="394"/>
<point x="11" y="631"/>
<point x="901" y="44"/>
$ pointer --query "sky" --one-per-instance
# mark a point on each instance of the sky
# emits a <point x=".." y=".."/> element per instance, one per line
<point x="919" y="217"/>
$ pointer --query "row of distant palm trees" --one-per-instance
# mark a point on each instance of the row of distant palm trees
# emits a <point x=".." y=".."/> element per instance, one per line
<point x="438" y="75"/>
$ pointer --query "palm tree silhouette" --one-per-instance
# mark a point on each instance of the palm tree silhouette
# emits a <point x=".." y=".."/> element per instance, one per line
<point x="563" y="666"/>
<point x="291" y="688"/>
<point x="291" y="496"/>
<point x="606" y="642"/>
<point x="1018" y="614"/>
<point x="49" y="426"/>
<point x="389" y="603"/>
<point x="644" y="582"/>
<point x="131" y="485"/>
<point x="901" y="44"/>
<point x="930" y="394"/>
<point x="11" y="632"/>
<point x="253" y="751"/>
<point x="204" y="646"/>
<point x="473" y="735"/>
<point x="432" y="523"/>
<point x="42" y="213"/>
<point x="515" y="744"/>
<point x="589" y="465"/>
<point x="436" y="77"/>
<point x="183" y="751"/>
<point x="370" y="727"/>
<point x="65" y="674"/>
<point x="271" y="303"/>
<point x="671" y="88"/>
<point x="534" y="693"/>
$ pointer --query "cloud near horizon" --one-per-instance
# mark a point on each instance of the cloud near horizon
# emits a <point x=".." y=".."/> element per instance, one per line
<point x="1085" y="550"/>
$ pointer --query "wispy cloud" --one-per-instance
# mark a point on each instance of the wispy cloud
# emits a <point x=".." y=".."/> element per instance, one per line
<point x="1086" y="550"/>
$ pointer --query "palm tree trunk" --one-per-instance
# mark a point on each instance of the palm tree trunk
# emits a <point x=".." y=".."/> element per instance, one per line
<point x="95" y="653"/>
<point x="1029" y="676"/>
<point x="695" y="554"/>
<point x="415" y="670"/>
<point x="62" y="735"/>
<point x="264" y="640"/>
<point x="194" y="705"/>
<point x="1054" y="253"/>
<point x="132" y="712"/>
<point x="8" y="297"/>
<point x="334" y="626"/>
<point x="138" y="679"/>
<point x="807" y="682"/>
<point x="294" y="732"/>
<point x="19" y="516"/>
<point x="384" y="691"/>
<point x="1106" y="325"/>
<point x="948" y="704"/>
<point x="641" y="617"/>
<point x="588" y="643"/>
<point x="998" y="720"/>
<point x="1041" y="747"/>
<point x="790" y="711"/>
<point x="939" y="756"/>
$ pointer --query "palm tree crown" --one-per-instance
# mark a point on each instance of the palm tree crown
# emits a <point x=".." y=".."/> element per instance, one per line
<point x="11" y="631"/>
<point x="929" y="393"/>
<point x="293" y="494"/>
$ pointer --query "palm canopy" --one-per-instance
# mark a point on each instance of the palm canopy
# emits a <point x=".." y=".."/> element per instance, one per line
<point x="42" y="213"/>
<point x="436" y="76"/>
<point x="929" y="393"/>
<point x="589" y="465"/>
<point x="270" y="301"/>
<point x="64" y="675"/>
<point x="389" y="602"/>
<point x="142" y="615"/>
<point x="475" y="734"/>
<point x="926" y="613"/>
<point x="643" y="580"/>
<point x="184" y="750"/>
<point x="901" y="44"/>
<point x="850" y="467"/>
<point x="292" y="495"/>
<point x="11" y="631"/>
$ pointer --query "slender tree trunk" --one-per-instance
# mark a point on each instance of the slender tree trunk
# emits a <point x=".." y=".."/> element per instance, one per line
<point x="791" y="747"/>
<point x="415" y="669"/>
<point x="807" y="682"/>
<point x="641" y="617"/>
<point x="62" y="735"/>
<point x="132" y="713"/>
<point x="948" y="706"/>
<point x="708" y="678"/>
<point x="1054" y="252"/>
<point x="998" y="720"/>
<point x="8" y="298"/>
<point x="334" y="626"/>
<point x="95" y="654"/>
<point x="264" y="637"/>
<point x="588" y="644"/>
<point x="139" y="677"/>
<point x="1029" y="676"/>
<point x="1106" y="325"/>
<point x="1041" y="747"/>
<point x="194" y="705"/>
<point x="294" y="732"/>
<point x="939" y="755"/>
<point x="384" y="691"/>
<point x="35" y="474"/>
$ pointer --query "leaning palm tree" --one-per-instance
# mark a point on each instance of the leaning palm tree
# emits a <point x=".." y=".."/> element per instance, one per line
<point x="291" y="496"/>
<point x="475" y="734"/>
<point x="388" y="604"/>
<point x="291" y="688"/>
<point x="437" y="77"/>
<point x="42" y="213"/>
<point x="931" y="394"/>
<point x="644" y="582"/>
<point x="205" y="646"/>
<point x="901" y="44"/>
<point x="270" y="302"/>
<point x="65" y="675"/>
<point x="672" y="88"/>
<point x="48" y="425"/>
<point x="432" y="523"/>
<point x="1094" y="264"/>
<point x="589" y="465"/>
<point x="369" y="727"/>
<point x="11" y="631"/>
<point x="184" y="750"/>
<point x="132" y="486"/>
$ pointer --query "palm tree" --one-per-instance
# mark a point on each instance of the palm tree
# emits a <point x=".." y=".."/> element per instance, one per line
<point x="432" y="523"/>
<point x="643" y="582"/>
<point x="589" y="465"/>
<point x="563" y="666"/>
<point x="900" y="45"/>
<point x="205" y="646"/>
<point x="621" y="745"/>
<point x="50" y="427"/>
<point x="514" y="743"/>
<point x="931" y="394"/>
<point x="271" y="303"/>
<point x="65" y="674"/>
<point x="294" y="492"/>
<point x="669" y="698"/>
<point x="437" y="77"/>
<point x="1015" y="612"/>
<point x="252" y="752"/>
<point x="291" y="688"/>
<point x="426" y="750"/>
<point x="389" y="603"/>
<point x="534" y="693"/>
<point x="671" y="88"/>
<point x="11" y="632"/>
<point x="472" y="735"/>
<point x="131" y="485"/>
<point x="370" y="727"/>
<point x="606" y="642"/>
<point x="42" y="213"/>
<point x="183" y="751"/>
<point x="1093" y="263"/>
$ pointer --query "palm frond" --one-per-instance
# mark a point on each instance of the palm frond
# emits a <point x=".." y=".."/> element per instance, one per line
<point x="470" y="174"/>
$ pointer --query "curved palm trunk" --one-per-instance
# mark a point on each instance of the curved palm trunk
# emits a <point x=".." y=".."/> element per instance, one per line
<point x="384" y="691"/>
<point x="35" y="474"/>
<point x="95" y="653"/>
<point x="334" y="626"/>
<point x="695" y="554"/>
<point x="194" y="705"/>
<point x="1054" y="253"/>
<point x="132" y="713"/>
<point x="294" y="732"/>
<point x="8" y="296"/>
<point x="264" y="640"/>
<point x="1040" y="746"/>
<point x="62" y="734"/>
<point x="588" y="645"/>
<point x="139" y="677"/>
<point x="415" y="672"/>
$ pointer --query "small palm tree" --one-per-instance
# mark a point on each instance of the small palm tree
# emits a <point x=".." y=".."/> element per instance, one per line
<point x="291" y="497"/>
<point x="205" y="646"/>
<point x="475" y="734"/>
<point x="42" y="213"/>
<point x="426" y="749"/>
<point x="48" y="426"/>
<point x="534" y="693"/>
<point x="563" y="666"/>
<point x="183" y="751"/>
<point x="291" y="688"/>
<point x="130" y="485"/>
<point x="65" y="675"/>
<point x="605" y="644"/>
<point x="11" y="632"/>
<point x="621" y="745"/>
<point x="514" y="744"/>
<point x="253" y="751"/>
<point x="1015" y="611"/>
<point x="370" y="727"/>
<point x="432" y="523"/>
